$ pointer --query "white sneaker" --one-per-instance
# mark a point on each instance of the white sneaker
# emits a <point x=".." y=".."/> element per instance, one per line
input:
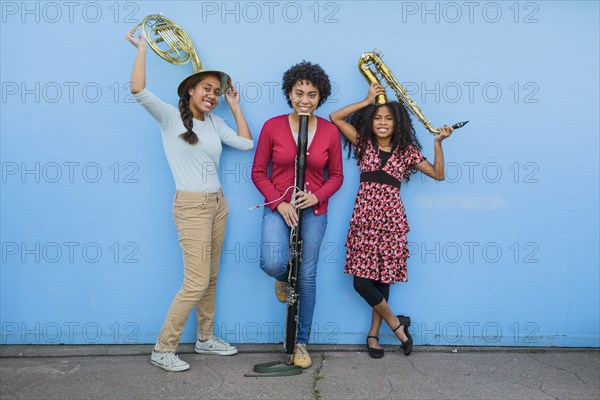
<point x="168" y="361"/>
<point x="215" y="346"/>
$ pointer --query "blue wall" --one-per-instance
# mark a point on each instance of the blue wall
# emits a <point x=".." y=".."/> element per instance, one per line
<point x="504" y="252"/>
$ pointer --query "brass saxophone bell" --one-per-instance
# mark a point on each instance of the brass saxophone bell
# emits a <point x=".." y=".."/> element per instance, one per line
<point x="365" y="62"/>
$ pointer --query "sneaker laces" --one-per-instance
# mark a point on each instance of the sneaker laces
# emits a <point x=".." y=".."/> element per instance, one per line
<point x="301" y="350"/>
<point x="221" y="341"/>
<point x="282" y="288"/>
<point x="171" y="359"/>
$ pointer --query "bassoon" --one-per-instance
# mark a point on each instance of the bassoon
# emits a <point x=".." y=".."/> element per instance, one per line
<point x="293" y="295"/>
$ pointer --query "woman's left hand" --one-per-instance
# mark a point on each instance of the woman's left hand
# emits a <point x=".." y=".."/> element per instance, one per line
<point x="232" y="95"/>
<point x="306" y="199"/>
<point x="445" y="132"/>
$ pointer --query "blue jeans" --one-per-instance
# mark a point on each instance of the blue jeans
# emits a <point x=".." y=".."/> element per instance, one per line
<point x="275" y="242"/>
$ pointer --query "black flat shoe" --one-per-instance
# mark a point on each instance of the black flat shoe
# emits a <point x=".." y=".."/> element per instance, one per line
<point x="373" y="352"/>
<point x="408" y="344"/>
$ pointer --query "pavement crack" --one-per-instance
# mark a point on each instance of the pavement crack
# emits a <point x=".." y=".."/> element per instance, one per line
<point x="389" y="391"/>
<point x="221" y="383"/>
<point x="416" y="369"/>
<point x="559" y="368"/>
<point x="317" y="376"/>
<point x="543" y="391"/>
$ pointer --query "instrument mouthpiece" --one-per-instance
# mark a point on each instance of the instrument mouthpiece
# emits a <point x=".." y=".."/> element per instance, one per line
<point x="459" y="124"/>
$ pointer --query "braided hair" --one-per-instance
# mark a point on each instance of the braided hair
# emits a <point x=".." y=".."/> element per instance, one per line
<point x="184" y="110"/>
<point x="403" y="136"/>
<point x="188" y="119"/>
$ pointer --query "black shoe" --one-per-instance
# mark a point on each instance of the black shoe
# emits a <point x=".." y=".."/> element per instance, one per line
<point x="373" y="352"/>
<point x="408" y="345"/>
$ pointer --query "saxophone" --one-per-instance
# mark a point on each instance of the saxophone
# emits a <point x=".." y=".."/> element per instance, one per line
<point x="373" y="68"/>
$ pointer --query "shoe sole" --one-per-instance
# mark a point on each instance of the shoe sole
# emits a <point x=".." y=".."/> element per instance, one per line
<point x="376" y="354"/>
<point x="219" y="353"/>
<point x="303" y="366"/>
<point x="170" y="369"/>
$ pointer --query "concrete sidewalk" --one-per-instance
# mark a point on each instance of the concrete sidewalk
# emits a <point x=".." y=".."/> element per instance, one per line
<point x="338" y="372"/>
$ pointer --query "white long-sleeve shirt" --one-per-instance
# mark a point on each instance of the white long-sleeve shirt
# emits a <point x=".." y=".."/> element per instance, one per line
<point x="195" y="167"/>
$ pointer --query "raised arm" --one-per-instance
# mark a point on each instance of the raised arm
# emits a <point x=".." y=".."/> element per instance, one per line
<point x="339" y="117"/>
<point x="138" y="75"/>
<point x="233" y="99"/>
<point x="436" y="171"/>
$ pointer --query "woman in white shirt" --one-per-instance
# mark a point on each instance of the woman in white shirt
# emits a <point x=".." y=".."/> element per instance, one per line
<point x="192" y="139"/>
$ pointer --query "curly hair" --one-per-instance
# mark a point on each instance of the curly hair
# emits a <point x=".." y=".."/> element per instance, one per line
<point x="403" y="136"/>
<point x="306" y="71"/>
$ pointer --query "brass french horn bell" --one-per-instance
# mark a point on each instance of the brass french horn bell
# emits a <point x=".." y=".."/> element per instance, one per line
<point x="169" y="41"/>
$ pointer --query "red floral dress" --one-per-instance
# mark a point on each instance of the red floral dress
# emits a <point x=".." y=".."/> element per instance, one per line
<point x="376" y="245"/>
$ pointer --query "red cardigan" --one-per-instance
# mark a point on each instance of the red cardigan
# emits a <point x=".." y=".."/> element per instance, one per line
<point x="276" y="146"/>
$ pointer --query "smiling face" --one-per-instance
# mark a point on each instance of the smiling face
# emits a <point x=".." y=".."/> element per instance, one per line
<point x="383" y="123"/>
<point x="304" y="97"/>
<point x="204" y="97"/>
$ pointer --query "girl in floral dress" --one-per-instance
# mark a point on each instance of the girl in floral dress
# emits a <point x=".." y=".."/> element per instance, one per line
<point x="387" y="151"/>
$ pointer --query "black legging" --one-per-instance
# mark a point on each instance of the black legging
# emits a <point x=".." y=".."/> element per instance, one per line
<point x="372" y="291"/>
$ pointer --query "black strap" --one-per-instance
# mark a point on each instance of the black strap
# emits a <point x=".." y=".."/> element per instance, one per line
<point x="274" y="368"/>
<point x="379" y="176"/>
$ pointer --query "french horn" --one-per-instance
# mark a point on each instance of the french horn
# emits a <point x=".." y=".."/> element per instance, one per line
<point x="169" y="41"/>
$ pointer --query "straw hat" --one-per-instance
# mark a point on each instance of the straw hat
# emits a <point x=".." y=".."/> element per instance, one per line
<point x="225" y="80"/>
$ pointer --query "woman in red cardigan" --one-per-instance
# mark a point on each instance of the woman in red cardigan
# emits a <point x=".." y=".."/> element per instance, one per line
<point x="306" y="86"/>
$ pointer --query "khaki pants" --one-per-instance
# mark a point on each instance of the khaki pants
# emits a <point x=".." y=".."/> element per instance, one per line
<point x="200" y="219"/>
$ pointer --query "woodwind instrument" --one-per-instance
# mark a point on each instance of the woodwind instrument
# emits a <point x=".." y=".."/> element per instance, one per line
<point x="373" y="68"/>
<point x="293" y="299"/>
